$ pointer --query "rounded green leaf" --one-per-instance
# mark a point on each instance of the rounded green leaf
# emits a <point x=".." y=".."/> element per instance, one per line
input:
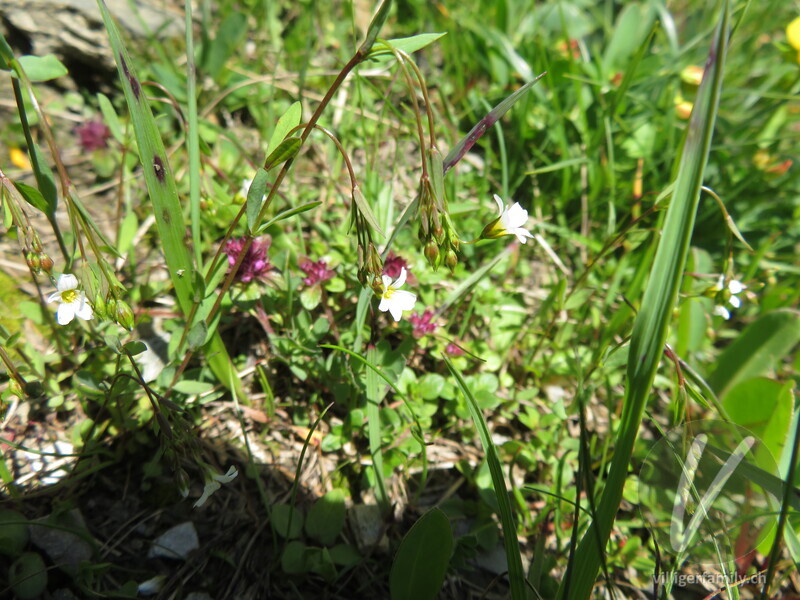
<point x="326" y="518"/>
<point x="421" y="562"/>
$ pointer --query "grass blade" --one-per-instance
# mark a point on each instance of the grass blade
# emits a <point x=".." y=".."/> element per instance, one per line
<point x="164" y="195"/>
<point x="516" y="575"/>
<point x="652" y="323"/>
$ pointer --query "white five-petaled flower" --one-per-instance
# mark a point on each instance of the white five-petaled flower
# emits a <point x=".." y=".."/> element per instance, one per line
<point x="727" y="293"/>
<point x="394" y="300"/>
<point x="71" y="301"/>
<point x="510" y="221"/>
<point x="216" y="483"/>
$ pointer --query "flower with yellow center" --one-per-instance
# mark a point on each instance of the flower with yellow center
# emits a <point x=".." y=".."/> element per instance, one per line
<point x="395" y="300"/>
<point x="510" y="221"/>
<point x="71" y="301"/>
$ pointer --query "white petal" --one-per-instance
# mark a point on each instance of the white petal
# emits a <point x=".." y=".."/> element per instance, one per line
<point x="521" y="234"/>
<point x="228" y="477"/>
<point x="65" y="282"/>
<point x="516" y="216"/>
<point x="384" y="305"/>
<point x="720" y="283"/>
<point x="736" y="287"/>
<point x="387" y="281"/>
<point x="395" y="311"/>
<point x="211" y="487"/>
<point x="66" y="312"/>
<point x="499" y="201"/>
<point x="84" y="310"/>
<point x="402" y="279"/>
<point x="54" y="297"/>
<point x="721" y="311"/>
<point x="734" y="302"/>
<point x="405" y="300"/>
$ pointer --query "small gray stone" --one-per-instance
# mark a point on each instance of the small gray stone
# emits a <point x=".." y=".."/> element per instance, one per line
<point x="177" y="543"/>
<point x="65" y="548"/>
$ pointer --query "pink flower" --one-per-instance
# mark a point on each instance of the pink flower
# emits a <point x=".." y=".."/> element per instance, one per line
<point x="316" y="272"/>
<point x="393" y="265"/>
<point x="93" y="135"/>
<point x="422" y="323"/>
<point x="453" y="350"/>
<point x="256" y="263"/>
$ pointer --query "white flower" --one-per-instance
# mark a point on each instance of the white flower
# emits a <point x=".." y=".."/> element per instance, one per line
<point x="394" y="300"/>
<point x="72" y="302"/>
<point x="727" y="294"/>
<point x="216" y="483"/>
<point x="510" y="221"/>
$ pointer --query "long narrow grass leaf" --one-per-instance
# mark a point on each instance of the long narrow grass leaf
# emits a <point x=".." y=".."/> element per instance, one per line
<point x="516" y="575"/>
<point x="652" y="322"/>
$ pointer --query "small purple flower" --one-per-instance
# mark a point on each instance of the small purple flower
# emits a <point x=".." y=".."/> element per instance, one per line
<point x="93" y="135"/>
<point x="453" y="350"/>
<point x="393" y="265"/>
<point x="422" y="323"/>
<point x="256" y="262"/>
<point x="316" y="272"/>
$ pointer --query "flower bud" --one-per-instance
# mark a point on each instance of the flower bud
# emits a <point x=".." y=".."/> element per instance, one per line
<point x="46" y="262"/>
<point x="431" y="253"/>
<point x="124" y="315"/>
<point x="182" y="481"/>
<point x="111" y="307"/>
<point x="99" y="306"/>
<point x="34" y="262"/>
<point x="451" y="260"/>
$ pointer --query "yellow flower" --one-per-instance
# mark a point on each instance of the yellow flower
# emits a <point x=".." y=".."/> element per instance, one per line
<point x="793" y="34"/>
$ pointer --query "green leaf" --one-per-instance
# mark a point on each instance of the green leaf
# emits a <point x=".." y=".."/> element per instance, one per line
<point x="110" y="117"/>
<point x="135" y="347"/>
<point x="192" y="388"/>
<point x="630" y="30"/>
<point x="421" y="562"/>
<point x="286" y="150"/>
<point x="45" y="179"/>
<point x="287" y="521"/>
<point x="325" y="520"/>
<point x="197" y="335"/>
<point x="516" y="575"/>
<point x="286" y="214"/>
<point x="494" y="115"/>
<point x="406" y="44"/>
<point x="42" y="68"/>
<point x="652" y="322"/>
<point x="764" y="407"/>
<point x="289" y="120"/>
<point x="375" y="27"/>
<point x="32" y="196"/>
<point x="229" y="35"/>
<point x="310" y="297"/>
<point x="255" y="197"/>
<point x="759" y="348"/>
<point x="363" y="207"/>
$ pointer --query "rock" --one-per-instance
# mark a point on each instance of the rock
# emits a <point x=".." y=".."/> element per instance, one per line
<point x="176" y="543"/>
<point x="65" y="548"/>
<point x="73" y="30"/>
<point x="367" y="525"/>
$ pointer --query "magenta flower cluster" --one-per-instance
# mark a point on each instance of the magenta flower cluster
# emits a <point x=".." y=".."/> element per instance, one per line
<point x="93" y="135"/>
<point x="256" y="263"/>
<point x="393" y="265"/>
<point x="316" y="272"/>
<point x="422" y="323"/>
